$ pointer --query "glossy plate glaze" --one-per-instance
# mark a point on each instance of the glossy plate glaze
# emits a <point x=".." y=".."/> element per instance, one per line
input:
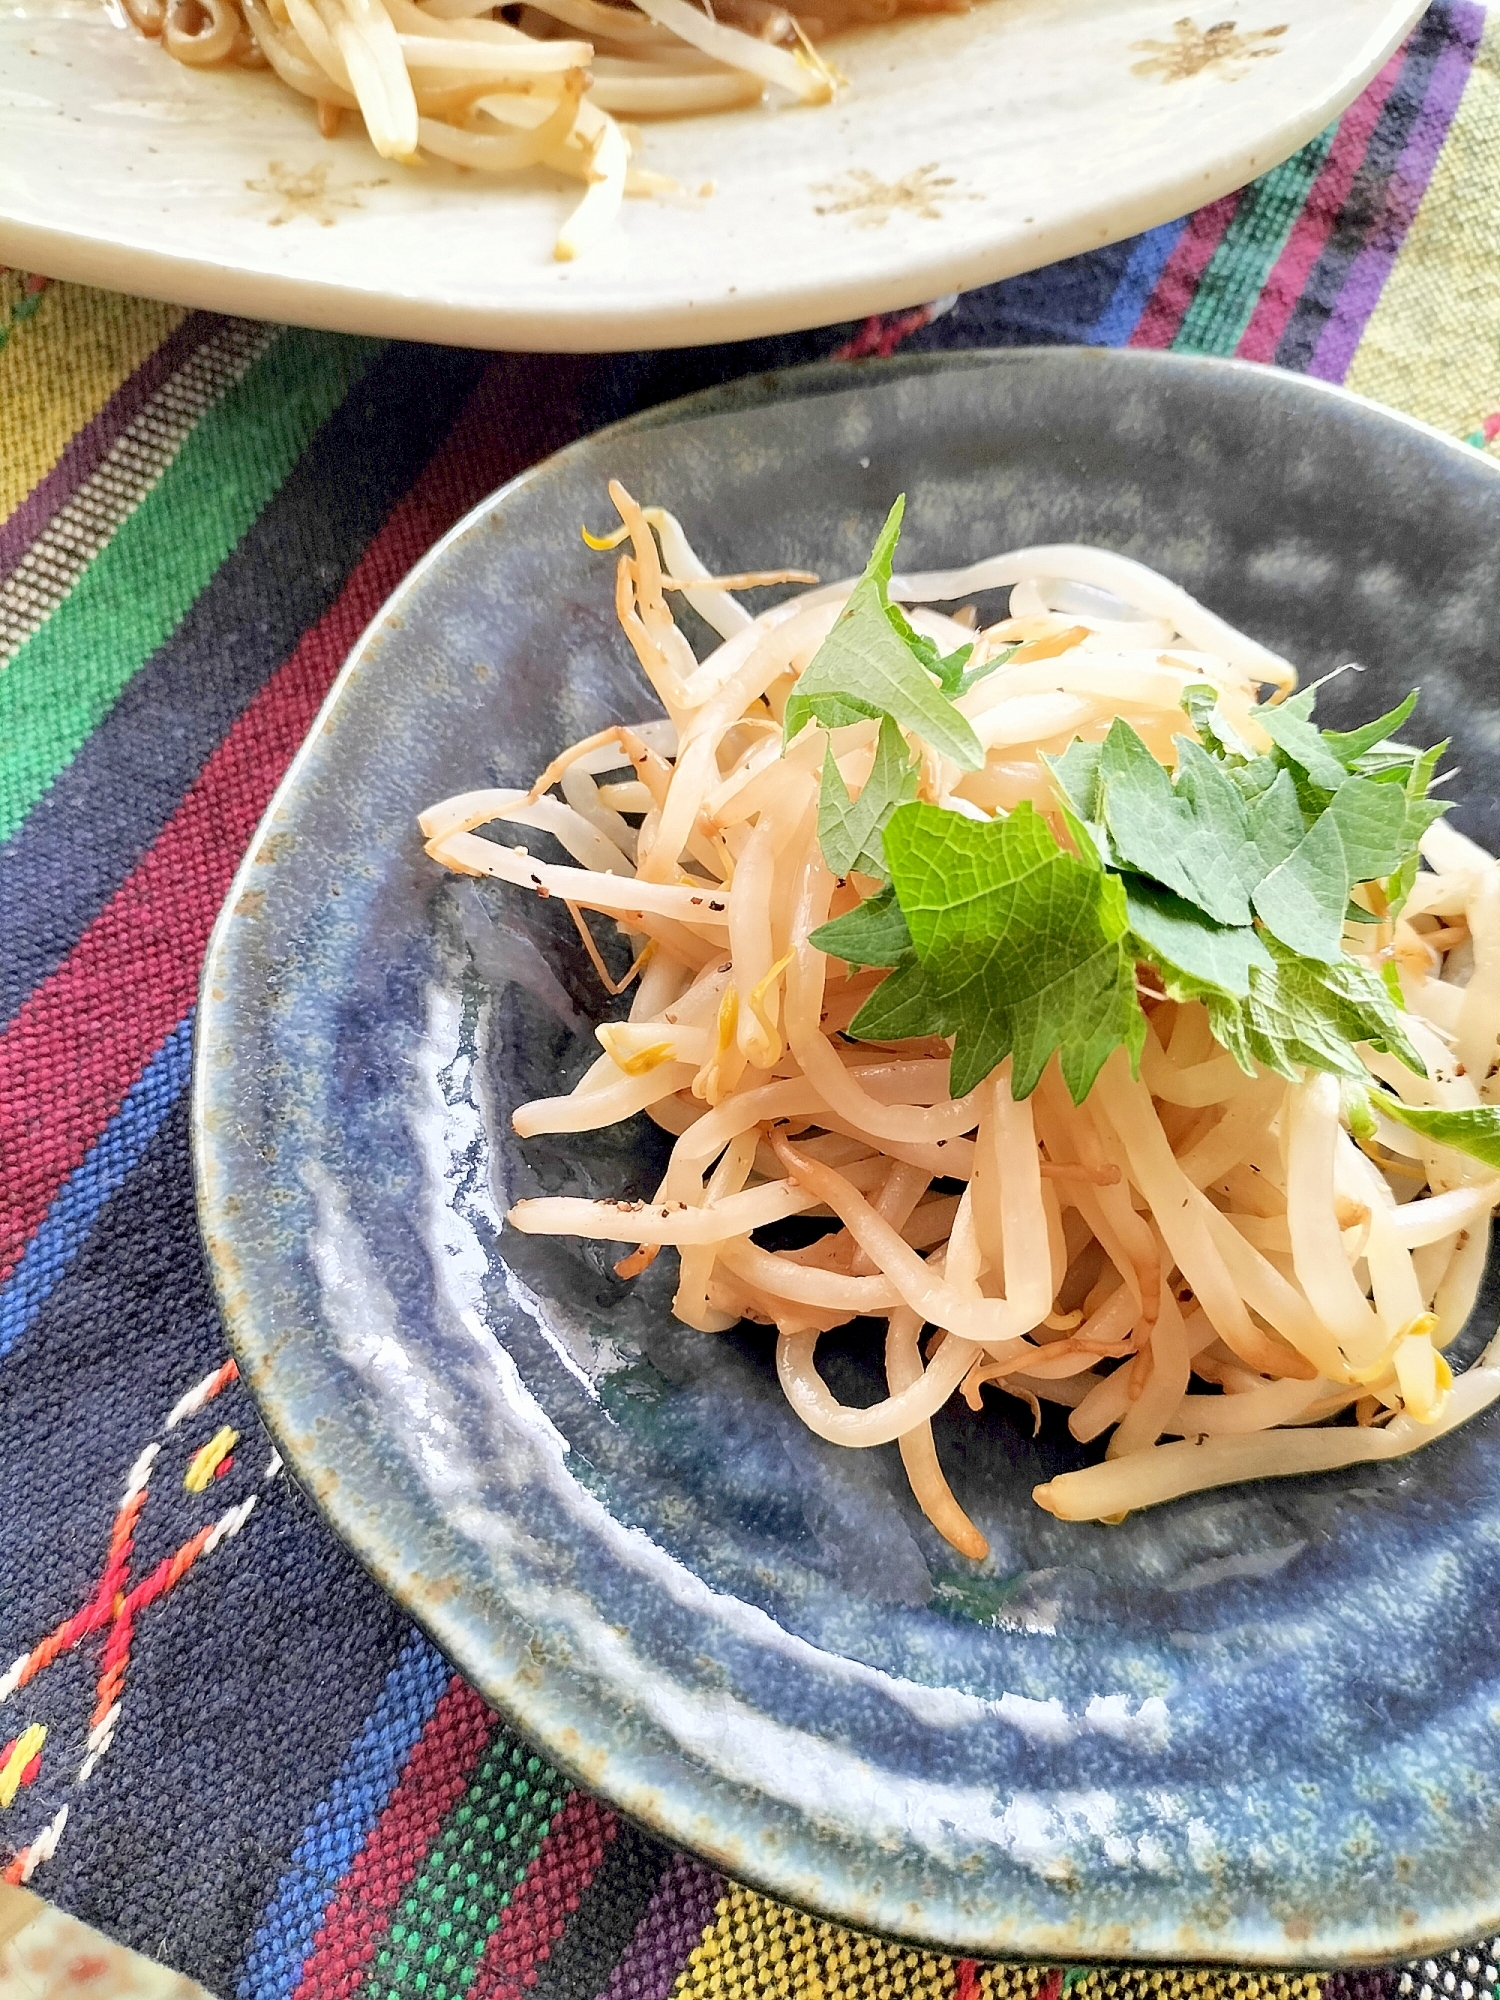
<point x="1254" y="1725"/>
<point x="965" y="149"/>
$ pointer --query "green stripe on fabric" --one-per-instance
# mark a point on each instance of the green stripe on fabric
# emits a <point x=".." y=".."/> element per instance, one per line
<point x="487" y="1843"/>
<point x="1256" y="236"/>
<point x="141" y="585"/>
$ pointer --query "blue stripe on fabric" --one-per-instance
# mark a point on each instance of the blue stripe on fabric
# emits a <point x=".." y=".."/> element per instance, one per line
<point x="1138" y="281"/>
<point x="76" y="1206"/>
<point x="342" y="1822"/>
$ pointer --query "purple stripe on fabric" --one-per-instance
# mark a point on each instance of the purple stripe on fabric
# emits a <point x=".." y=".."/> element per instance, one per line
<point x="1408" y="183"/>
<point x="86" y="450"/>
<point x="675" y="1920"/>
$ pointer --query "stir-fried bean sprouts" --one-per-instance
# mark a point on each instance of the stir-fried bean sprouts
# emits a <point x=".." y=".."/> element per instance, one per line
<point x="498" y="88"/>
<point x="1198" y="1260"/>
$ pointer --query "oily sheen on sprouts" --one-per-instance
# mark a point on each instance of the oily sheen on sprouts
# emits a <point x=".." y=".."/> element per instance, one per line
<point x="1132" y="1039"/>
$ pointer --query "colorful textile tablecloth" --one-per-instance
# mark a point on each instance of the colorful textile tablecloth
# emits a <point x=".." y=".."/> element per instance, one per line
<point x="218" y="1741"/>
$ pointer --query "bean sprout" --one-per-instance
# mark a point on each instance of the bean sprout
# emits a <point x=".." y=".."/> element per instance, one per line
<point x="457" y="80"/>
<point x="1196" y="1259"/>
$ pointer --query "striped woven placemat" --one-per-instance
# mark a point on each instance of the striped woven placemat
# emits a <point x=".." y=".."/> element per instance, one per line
<point x="218" y="1741"/>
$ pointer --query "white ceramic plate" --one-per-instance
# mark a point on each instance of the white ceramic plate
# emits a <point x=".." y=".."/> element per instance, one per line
<point x="966" y="148"/>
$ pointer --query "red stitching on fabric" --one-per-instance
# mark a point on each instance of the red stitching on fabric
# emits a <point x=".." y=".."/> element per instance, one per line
<point x="547" y="1895"/>
<point x="1178" y="284"/>
<point x="360" y="1910"/>
<point x="81" y="1039"/>
<point x="883" y="333"/>
<point x="112" y="1604"/>
<point x="168" y="1573"/>
<point x="108" y="1603"/>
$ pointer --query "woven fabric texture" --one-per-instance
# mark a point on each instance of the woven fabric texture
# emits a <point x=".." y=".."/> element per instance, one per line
<point x="218" y="1741"/>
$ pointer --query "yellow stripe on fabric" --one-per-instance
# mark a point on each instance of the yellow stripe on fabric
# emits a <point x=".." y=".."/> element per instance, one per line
<point x="207" y="1459"/>
<point x="1432" y="347"/>
<point x="60" y="366"/>
<point x="755" y="1949"/>
<point x="1144" y="1982"/>
<point x="20" y="1754"/>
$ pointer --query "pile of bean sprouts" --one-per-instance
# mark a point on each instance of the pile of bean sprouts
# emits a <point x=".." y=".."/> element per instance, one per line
<point x="501" y="88"/>
<point x="1202" y="1262"/>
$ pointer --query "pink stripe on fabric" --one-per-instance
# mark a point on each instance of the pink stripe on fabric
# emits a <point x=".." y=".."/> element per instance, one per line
<point x="1167" y="306"/>
<point x="1316" y="223"/>
<point x="1404" y="192"/>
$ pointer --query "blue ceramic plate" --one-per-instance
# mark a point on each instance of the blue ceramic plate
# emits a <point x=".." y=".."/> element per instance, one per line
<point x="1256" y="1725"/>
